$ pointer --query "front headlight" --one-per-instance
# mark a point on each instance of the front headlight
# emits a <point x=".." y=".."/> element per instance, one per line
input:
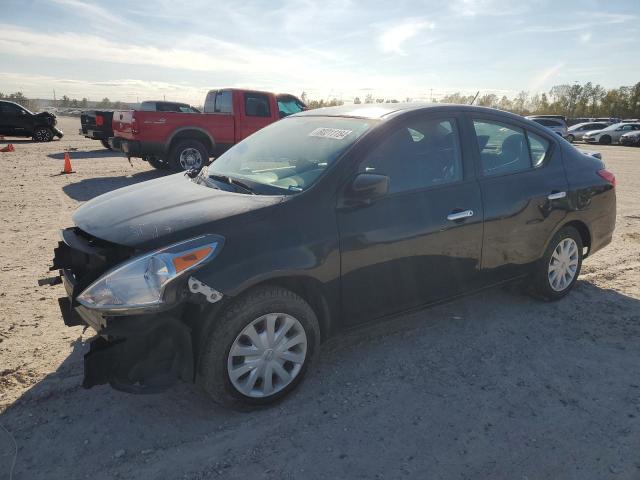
<point x="142" y="282"/>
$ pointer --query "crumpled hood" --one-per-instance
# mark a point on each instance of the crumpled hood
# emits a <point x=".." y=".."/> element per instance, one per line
<point x="163" y="207"/>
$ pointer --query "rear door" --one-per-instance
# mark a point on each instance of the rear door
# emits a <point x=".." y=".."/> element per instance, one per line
<point x="258" y="113"/>
<point x="524" y="189"/>
<point x="422" y="241"/>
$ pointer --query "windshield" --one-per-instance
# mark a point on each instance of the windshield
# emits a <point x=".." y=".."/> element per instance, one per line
<point x="289" y="156"/>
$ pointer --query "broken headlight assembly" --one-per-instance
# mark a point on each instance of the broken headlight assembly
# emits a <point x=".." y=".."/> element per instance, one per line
<point x="145" y="282"/>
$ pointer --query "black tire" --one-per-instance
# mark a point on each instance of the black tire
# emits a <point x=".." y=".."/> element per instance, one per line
<point x="157" y="163"/>
<point x="605" y="140"/>
<point x="42" y="134"/>
<point x="541" y="284"/>
<point x="182" y="146"/>
<point x="571" y="138"/>
<point x="105" y="144"/>
<point x="213" y="375"/>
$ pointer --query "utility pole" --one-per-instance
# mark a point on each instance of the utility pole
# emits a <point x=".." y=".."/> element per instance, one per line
<point x="54" y="97"/>
<point x="432" y="95"/>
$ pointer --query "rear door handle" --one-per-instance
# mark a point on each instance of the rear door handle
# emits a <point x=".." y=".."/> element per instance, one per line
<point x="557" y="195"/>
<point x="453" y="216"/>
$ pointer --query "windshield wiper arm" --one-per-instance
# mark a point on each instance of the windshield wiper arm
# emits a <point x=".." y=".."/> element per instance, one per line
<point x="232" y="181"/>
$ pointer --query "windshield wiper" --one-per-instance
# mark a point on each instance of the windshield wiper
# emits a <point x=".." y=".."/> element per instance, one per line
<point x="232" y="181"/>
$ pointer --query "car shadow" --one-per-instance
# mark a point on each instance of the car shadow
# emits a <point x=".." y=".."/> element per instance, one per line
<point x="458" y="379"/>
<point x="101" y="153"/>
<point x="89" y="188"/>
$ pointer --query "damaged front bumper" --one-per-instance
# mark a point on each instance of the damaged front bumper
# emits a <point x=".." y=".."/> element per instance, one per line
<point x="139" y="353"/>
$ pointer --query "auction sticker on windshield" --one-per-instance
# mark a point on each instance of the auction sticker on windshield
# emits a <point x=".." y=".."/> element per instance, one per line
<point x="335" y="133"/>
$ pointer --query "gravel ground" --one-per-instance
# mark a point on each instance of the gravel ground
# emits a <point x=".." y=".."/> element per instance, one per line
<point x="496" y="385"/>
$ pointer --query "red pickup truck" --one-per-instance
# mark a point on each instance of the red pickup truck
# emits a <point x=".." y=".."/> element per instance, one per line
<point x="186" y="140"/>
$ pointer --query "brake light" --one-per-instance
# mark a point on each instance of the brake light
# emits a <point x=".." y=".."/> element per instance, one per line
<point x="134" y="125"/>
<point x="608" y="176"/>
<point x="99" y="120"/>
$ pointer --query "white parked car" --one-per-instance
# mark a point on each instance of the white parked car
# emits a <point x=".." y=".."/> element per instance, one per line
<point x="611" y="134"/>
<point x="576" y="132"/>
<point x="556" y="125"/>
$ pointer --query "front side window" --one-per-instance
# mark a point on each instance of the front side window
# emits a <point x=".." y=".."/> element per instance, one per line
<point x="419" y="154"/>
<point x="256" y="105"/>
<point x="288" y="105"/>
<point x="288" y="156"/>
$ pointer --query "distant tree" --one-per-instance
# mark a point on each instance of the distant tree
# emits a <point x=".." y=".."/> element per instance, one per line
<point x="357" y="101"/>
<point x="505" y="104"/>
<point x="303" y="97"/>
<point x="488" y="100"/>
<point x="84" y="103"/>
<point x="105" y="103"/>
<point x="379" y="100"/>
<point x="368" y="98"/>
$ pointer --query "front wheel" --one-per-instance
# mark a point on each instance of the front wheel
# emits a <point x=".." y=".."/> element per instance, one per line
<point x="605" y="140"/>
<point x="42" y="134"/>
<point x="571" y="138"/>
<point x="558" y="269"/>
<point x="260" y="348"/>
<point x="105" y="144"/>
<point x="187" y="155"/>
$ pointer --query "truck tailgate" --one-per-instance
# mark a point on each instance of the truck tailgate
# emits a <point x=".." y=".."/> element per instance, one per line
<point x="122" y="123"/>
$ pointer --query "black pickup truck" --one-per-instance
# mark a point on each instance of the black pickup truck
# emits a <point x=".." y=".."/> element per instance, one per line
<point x="96" y="124"/>
<point x="17" y="121"/>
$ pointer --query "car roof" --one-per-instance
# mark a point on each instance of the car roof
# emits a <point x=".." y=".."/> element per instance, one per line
<point x="385" y="111"/>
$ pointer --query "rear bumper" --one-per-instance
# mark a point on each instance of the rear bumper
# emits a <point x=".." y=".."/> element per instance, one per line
<point x="93" y="134"/>
<point x="136" y="148"/>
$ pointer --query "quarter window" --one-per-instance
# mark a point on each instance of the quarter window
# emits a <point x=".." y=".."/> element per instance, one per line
<point x="256" y="105"/>
<point x="539" y="148"/>
<point x="420" y="154"/>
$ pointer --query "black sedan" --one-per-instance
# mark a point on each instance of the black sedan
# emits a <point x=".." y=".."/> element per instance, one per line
<point x="232" y="276"/>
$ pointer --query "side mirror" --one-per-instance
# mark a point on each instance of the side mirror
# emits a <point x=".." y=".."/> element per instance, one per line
<point x="365" y="188"/>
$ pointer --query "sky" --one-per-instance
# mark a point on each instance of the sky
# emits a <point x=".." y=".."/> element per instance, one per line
<point x="134" y="50"/>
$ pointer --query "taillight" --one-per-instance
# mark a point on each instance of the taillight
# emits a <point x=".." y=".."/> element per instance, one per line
<point x="134" y="125"/>
<point x="608" y="176"/>
<point x="99" y="120"/>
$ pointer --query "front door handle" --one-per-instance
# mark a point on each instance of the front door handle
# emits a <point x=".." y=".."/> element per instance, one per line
<point x="557" y="195"/>
<point x="453" y="216"/>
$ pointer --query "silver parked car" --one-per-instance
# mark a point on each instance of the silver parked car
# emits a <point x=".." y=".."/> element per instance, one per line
<point x="576" y="132"/>
<point x="555" y="124"/>
<point x="611" y="134"/>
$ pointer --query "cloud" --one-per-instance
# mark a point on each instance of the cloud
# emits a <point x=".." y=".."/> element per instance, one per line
<point x="585" y="37"/>
<point x="90" y="11"/>
<point x="392" y="39"/>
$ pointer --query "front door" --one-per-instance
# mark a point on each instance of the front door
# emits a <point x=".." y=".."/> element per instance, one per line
<point x="258" y="113"/>
<point x="524" y="190"/>
<point x="422" y="241"/>
<point x="14" y="120"/>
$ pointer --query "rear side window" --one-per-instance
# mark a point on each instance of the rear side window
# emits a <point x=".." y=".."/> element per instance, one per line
<point x="148" y="106"/>
<point x="223" y="102"/>
<point x="539" y="147"/>
<point x="256" y="105"/>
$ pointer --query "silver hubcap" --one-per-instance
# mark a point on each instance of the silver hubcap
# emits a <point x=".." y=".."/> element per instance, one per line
<point x="267" y="355"/>
<point x="190" y="158"/>
<point x="563" y="264"/>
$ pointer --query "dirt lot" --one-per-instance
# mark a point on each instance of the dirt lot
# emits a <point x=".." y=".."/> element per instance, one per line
<point x="492" y="386"/>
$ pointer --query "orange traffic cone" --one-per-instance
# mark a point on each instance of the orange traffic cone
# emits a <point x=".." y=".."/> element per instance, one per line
<point x="67" y="164"/>
<point x="8" y="148"/>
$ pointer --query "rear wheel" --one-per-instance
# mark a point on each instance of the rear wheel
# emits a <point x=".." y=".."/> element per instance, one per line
<point x="605" y="140"/>
<point x="260" y="348"/>
<point x="558" y="270"/>
<point x="105" y="144"/>
<point x="42" y="134"/>
<point x="571" y="138"/>
<point x="188" y="154"/>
